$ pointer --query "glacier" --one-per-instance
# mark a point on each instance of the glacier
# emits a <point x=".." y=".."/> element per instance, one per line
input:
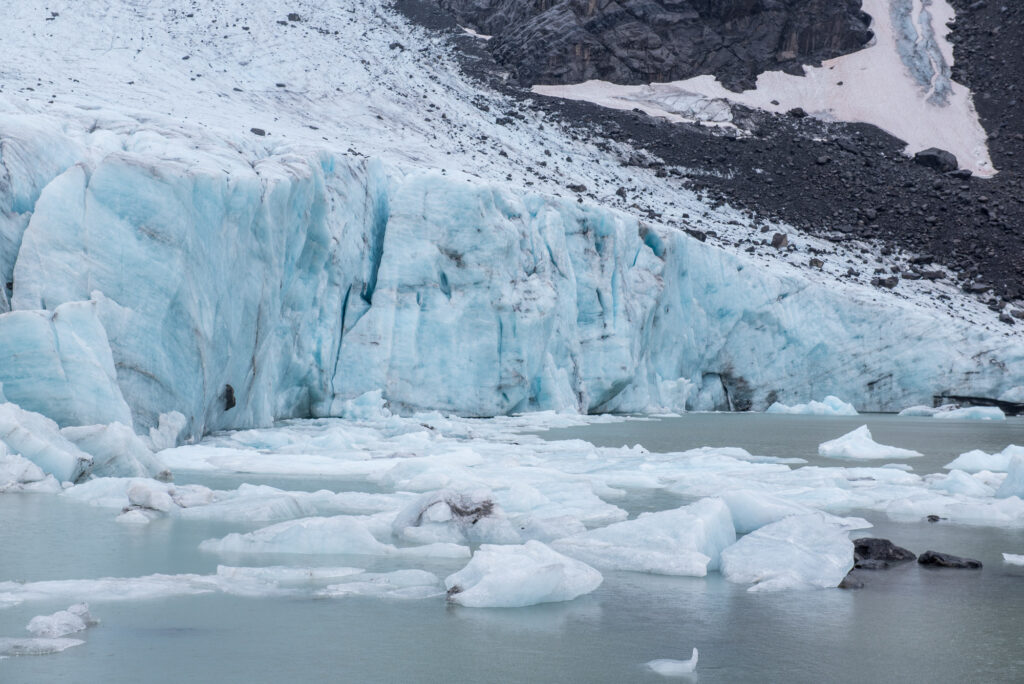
<point x="168" y="268"/>
<point x="240" y="293"/>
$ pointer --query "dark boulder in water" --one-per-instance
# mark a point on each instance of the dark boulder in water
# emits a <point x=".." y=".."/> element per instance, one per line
<point x="870" y="553"/>
<point x="945" y="560"/>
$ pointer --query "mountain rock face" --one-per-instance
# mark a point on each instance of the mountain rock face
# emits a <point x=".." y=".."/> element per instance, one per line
<point x="640" y="41"/>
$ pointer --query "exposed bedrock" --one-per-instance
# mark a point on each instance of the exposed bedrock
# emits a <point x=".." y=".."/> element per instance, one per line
<point x="640" y="41"/>
<point x="241" y="293"/>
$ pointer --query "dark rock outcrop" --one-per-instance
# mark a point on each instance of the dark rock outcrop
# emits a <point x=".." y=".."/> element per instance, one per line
<point x="870" y="553"/>
<point x="640" y="41"/>
<point x="945" y="560"/>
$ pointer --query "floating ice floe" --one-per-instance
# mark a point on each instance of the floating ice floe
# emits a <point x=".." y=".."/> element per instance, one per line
<point x="334" y="535"/>
<point x="972" y="413"/>
<point x="75" y="619"/>
<point x="1013" y="559"/>
<point x="799" y="552"/>
<point x="399" y="584"/>
<point x="452" y="516"/>
<point x="831" y="406"/>
<point x="516" y="576"/>
<point x="684" y="541"/>
<point x="36" y="646"/>
<point x="674" y="668"/>
<point x="858" y="445"/>
<point x="976" y="460"/>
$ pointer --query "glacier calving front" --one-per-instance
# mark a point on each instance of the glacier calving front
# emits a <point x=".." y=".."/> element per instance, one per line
<point x="150" y="276"/>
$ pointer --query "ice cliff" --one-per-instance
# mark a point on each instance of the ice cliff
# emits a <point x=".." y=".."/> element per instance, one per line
<point x="239" y="293"/>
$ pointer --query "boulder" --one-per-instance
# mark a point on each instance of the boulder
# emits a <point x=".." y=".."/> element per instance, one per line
<point x="946" y="560"/>
<point x="937" y="159"/>
<point x="870" y="553"/>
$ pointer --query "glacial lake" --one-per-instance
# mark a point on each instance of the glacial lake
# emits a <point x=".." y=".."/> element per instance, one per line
<point x="909" y="623"/>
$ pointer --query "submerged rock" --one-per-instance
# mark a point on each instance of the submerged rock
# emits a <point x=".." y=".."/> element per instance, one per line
<point x="870" y="553"/>
<point x="945" y="560"/>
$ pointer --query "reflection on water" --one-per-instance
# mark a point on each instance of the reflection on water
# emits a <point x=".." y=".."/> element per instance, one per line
<point x="908" y="624"/>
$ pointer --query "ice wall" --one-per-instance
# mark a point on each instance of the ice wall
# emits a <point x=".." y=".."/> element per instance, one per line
<point x="238" y="292"/>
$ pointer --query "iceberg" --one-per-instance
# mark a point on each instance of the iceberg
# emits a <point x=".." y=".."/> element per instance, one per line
<point x="972" y="413"/>
<point x="684" y="541"/>
<point x="1013" y="559"/>
<point x="831" y="406"/>
<point x="858" y="445"/>
<point x="516" y="576"/>
<point x="798" y="552"/>
<point x="975" y="461"/>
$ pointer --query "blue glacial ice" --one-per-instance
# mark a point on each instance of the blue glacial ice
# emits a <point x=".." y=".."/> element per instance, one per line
<point x="155" y="279"/>
<point x="830" y="406"/>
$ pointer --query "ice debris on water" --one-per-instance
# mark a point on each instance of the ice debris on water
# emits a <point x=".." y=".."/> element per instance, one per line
<point x="75" y="619"/>
<point x="830" y="406"/>
<point x="1013" y="559"/>
<point x="798" y="552"/>
<point x="520" y="575"/>
<point x="683" y="541"/>
<point x="859" y="445"/>
<point x="320" y="535"/>
<point x="972" y="413"/>
<point x="674" y="668"/>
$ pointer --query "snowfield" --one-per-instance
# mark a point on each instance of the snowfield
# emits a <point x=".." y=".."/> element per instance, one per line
<point x="900" y="82"/>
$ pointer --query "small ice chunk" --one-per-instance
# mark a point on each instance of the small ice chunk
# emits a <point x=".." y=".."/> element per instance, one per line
<point x="449" y="515"/>
<point x="1013" y="485"/>
<point x="17" y="474"/>
<point x="972" y="413"/>
<point x="38" y="439"/>
<point x="921" y="410"/>
<point x="167" y="433"/>
<point x="150" y="494"/>
<point x="976" y="460"/>
<point x="683" y="541"/>
<point x="366" y="407"/>
<point x="674" y="668"/>
<point x="37" y="646"/>
<point x="831" y="406"/>
<point x="116" y="451"/>
<point x="75" y="619"/>
<point x="1013" y="559"/>
<point x="515" y="576"/>
<point x="858" y="445"/>
<point x="136" y="516"/>
<point x="798" y="552"/>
